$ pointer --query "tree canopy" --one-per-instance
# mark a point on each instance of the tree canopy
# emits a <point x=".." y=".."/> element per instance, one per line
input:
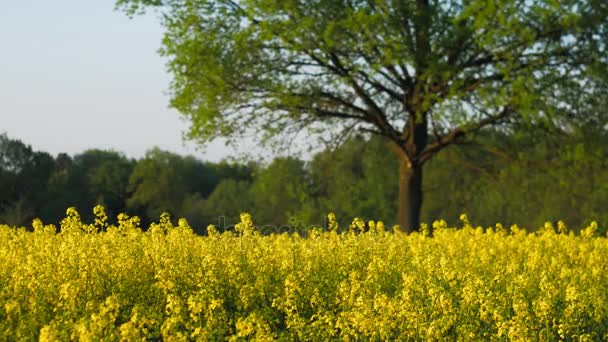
<point x="468" y="63"/>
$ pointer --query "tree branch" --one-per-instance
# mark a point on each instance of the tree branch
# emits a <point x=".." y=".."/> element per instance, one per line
<point x="458" y="132"/>
<point x="375" y="112"/>
<point x="320" y="112"/>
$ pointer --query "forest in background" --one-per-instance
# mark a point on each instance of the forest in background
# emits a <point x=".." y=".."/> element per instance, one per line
<point x="527" y="178"/>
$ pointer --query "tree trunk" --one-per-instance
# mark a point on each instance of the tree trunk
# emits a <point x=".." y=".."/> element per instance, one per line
<point x="410" y="196"/>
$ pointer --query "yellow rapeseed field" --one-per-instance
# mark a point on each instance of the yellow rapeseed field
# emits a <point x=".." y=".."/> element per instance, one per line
<point x="96" y="282"/>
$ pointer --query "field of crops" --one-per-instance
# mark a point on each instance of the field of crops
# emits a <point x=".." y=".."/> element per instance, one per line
<point x="92" y="282"/>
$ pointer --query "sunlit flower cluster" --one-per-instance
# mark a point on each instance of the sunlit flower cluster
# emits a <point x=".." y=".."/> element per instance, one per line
<point x="364" y="282"/>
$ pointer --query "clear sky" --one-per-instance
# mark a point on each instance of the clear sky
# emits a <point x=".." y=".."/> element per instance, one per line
<point x="75" y="74"/>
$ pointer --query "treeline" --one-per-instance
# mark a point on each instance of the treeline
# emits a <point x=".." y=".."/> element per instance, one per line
<point x="527" y="179"/>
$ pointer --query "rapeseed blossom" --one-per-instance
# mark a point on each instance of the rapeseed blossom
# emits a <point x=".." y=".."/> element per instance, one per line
<point x="101" y="281"/>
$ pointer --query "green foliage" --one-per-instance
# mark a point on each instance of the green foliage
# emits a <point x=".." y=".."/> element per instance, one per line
<point x="549" y="177"/>
<point x="227" y="201"/>
<point x="557" y="177"/>
<point x="235" y="171"/>
<point x="280" y="192"/>
<point x="90" y="178"/>
<point x="194" y="208"/>
<point x="162" y="180"/>
<point x="24" y="174"/>
<point x="357" y="177"/>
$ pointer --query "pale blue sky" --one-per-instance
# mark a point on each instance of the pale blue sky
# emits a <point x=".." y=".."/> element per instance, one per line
<point x="75" y="74"/>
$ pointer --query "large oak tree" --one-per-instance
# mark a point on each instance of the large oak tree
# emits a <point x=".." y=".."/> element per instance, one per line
<point x="424" y="74"/>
